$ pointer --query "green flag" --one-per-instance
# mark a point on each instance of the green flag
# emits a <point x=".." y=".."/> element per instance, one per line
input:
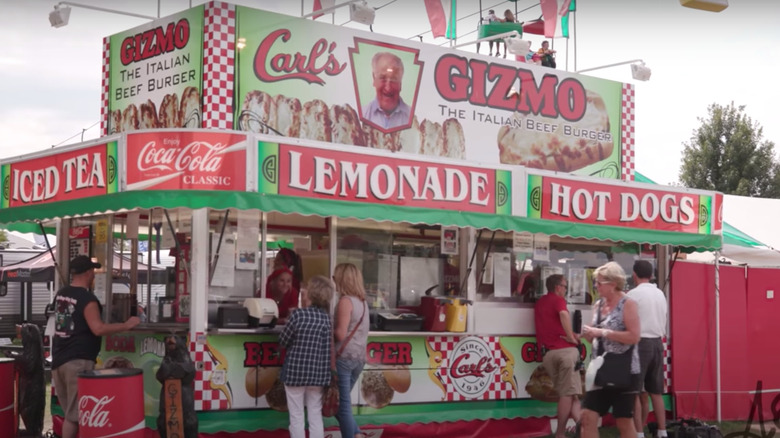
<point x="565" y="18"/>
<point x="451" y="26"/>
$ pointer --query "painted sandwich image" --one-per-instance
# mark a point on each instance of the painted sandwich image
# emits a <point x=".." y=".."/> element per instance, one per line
<point x="378" y="386"/>
<point x="567" y="148"/>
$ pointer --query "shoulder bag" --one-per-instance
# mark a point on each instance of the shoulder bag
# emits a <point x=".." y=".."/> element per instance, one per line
<point x="330" y="398"/>
<point x="615" y="371"/>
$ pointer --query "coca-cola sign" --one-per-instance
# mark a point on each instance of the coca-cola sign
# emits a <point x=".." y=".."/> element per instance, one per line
<point x="186" y="161"/>
<point x="94" y="412"/>
<point x="110" y="403"/>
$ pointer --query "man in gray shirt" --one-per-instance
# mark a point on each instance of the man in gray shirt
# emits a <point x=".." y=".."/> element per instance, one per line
<point x="653" y="310"/>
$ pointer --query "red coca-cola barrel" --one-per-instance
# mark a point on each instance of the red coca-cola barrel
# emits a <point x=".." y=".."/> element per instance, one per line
<point x="7" y="405"/>
<point x="111" y="403"/>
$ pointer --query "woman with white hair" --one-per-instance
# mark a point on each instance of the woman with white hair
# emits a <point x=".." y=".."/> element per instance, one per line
<point x="615" y="330"/>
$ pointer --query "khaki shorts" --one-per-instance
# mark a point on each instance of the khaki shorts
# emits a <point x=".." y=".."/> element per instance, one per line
<point x="66" y="385"/>
<point x="560" y="365"/>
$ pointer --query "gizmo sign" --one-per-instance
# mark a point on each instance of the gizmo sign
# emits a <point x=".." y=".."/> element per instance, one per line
<point x="73" y="174"/>
<point x="570" y="200"/>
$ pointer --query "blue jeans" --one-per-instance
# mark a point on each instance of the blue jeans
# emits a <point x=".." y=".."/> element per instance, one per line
<point x="348" y="370"/>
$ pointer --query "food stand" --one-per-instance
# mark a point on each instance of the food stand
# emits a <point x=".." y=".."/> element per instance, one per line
<point x="432" y="207"/>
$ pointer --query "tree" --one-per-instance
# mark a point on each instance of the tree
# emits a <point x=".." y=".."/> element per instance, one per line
<point x="727" y="154"/>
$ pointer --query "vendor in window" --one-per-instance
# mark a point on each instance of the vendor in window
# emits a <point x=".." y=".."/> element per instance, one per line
<point x="281" y="290"/>
<point x="287" y="258"/>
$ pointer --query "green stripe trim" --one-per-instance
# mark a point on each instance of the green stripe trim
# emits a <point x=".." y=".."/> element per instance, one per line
<point x="221" y="200"/>
<point x="268" y="419"/>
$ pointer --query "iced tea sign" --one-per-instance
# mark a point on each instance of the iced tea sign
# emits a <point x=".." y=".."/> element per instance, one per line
<point x="569" y="200"/>
<point x="74" y="174"/>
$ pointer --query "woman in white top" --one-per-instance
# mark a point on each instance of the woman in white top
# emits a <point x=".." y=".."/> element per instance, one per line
<point x="351" y="335"/>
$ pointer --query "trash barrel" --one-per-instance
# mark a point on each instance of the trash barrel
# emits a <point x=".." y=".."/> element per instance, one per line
<point x="7" y="398"/>
<point x="111" y="403"/>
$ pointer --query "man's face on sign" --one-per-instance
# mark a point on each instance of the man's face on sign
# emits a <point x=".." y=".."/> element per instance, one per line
<point x="387" y="81"/>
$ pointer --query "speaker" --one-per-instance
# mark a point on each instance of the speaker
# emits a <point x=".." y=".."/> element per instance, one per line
<point x="640" y="72"/>
<point x="362" y="13"/>
<point x="59" y="16"/>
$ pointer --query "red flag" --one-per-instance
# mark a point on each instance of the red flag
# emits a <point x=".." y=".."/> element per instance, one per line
<point x="436" y="17"/>
<point x="550" y="14"/>
<point x="320" y="4"/>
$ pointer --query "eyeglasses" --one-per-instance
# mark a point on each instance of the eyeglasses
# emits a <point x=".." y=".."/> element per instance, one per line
<point x="564" y="285"/>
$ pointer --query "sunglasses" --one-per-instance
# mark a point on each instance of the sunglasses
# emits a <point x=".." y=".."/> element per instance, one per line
<point x="599" y="283"/>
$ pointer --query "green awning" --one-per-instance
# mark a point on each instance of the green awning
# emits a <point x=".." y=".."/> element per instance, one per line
<point x="731" y="235"/>
<point x="220" y="200"/>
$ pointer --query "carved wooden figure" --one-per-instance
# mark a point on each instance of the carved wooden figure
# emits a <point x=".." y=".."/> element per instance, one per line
<point x="177" y="399"/>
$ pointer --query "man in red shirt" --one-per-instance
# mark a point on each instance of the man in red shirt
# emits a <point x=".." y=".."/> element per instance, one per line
<point x="555" y="335"/>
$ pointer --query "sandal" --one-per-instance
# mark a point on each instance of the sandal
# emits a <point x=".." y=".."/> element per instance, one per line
<point x="573" y="431"/>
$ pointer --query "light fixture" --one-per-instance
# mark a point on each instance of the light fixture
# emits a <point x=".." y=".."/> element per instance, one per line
<point x="707" y="5"/>
<point x="328" y="10"/>
<point x="362" y="13"/>
<point x="518" y="47"/>
<point x="61" y="14"/>
<point x="640" y="71"/>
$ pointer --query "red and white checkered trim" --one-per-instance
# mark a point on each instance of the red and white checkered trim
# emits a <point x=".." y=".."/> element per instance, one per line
<point x="219" y="55"/>
<point x="498" y="389"/>
<point x="667" y="366"/>
<point x="628" y="132"/>
<point x="208" y="395"/>
<point x="104" y="88"/>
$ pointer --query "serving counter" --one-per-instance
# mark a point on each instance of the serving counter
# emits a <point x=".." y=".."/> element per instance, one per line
<point x="456" y="376"/>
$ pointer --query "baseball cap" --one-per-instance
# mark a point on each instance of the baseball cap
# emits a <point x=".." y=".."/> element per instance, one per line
<point x="81" y="264"/>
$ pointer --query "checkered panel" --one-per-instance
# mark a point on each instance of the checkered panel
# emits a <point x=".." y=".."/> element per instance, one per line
<point x="628" y="132"/>
<point x="210" y="393"/>
<point x="219" y="54"/>
<point x="667" y="366"/>
<point x="104" y="89"/>
<point x="497" y="389"/>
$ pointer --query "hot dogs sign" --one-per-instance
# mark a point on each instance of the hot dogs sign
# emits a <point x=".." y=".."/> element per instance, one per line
<point x="621" y="205"/>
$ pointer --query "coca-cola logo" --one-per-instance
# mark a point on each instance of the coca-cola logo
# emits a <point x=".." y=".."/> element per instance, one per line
<point x="473" y="367"/>
<point x="93" y="412"/>
<point x="198" y="156"/>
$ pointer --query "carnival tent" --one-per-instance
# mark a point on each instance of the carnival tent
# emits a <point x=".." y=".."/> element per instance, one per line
<point x="41" y="269"/>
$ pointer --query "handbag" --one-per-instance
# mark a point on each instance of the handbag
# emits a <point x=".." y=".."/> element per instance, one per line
<point x="615" y="370"/>
<point x="330" y="399"/>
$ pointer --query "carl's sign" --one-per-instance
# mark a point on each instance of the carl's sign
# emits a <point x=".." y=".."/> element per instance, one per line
<point x="569" y="200"/>
<point x="378" y="179"/>
<point x="74" y="174"/>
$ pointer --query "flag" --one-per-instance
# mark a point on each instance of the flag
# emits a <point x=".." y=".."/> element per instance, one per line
<point x="322" y="4"/>
<point x="571" y="6"/>
<point x="550" y="14"/>
<point x="436" y="17"/>
<point x="451" y="31"/>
